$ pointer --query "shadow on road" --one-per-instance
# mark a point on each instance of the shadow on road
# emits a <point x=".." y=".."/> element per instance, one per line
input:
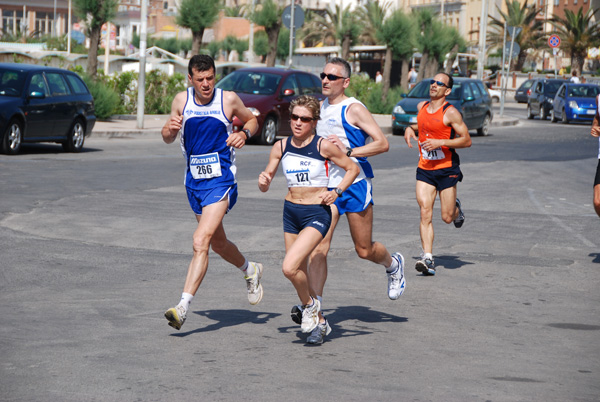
<point x="229" y="318"/>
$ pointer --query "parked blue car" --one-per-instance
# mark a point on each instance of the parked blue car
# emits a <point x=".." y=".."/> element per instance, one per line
<point x="575" y="102"/>
<point x="469" y="96"/>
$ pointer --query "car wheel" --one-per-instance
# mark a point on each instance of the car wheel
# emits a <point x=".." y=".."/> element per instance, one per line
<point x="543" y="113"/>
<point x="564" y="119"/>
<point x="485" y="127"/>
<point x="11" y="142"/>
<point x="269" y="132"/>
<point x="75" y="137"/>
<point x="529" y="114"/>
<point x="553" y="118"/>
<point x="398" y="131"/>
<point x="495" y="99"/>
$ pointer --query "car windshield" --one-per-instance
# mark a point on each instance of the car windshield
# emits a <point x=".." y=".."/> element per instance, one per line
<point x="250" y="82"/>
<point x="551" y="87"/>
<point x="584" y="91"/>
<point x="11" y="82"/>
<point x="421" y="90"/>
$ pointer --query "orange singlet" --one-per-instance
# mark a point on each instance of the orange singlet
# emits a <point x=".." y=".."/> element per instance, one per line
<point x="431" y="125"/>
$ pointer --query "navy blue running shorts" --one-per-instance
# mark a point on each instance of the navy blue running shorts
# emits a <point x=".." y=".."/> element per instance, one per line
<point x="597" y="179"/>
<point x="441" y="179"/>
<point x="297" y="217"/>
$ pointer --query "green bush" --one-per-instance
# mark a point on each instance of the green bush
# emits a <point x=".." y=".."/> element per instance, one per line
<point x="161" y="90"/>
<point x="106" y="100"/>
<point x="369" y="93"/>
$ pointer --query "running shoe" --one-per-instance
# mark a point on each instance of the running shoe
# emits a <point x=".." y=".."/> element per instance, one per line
<point x="310" y="316"/>
<point x="297" y="314"/>
<point x="318" y="334"/>
<point x="176" y="316"/>
<point x="460" y="219"/>
<point x="255" y="290"/>
<point x="396" y="280"/>
<point x="426" y="266"/>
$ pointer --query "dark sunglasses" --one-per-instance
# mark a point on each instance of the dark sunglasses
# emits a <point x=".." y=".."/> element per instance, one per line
<point x="330" y="77"/>
<point x="438" y="83"/>
<point x="303" y="119"/>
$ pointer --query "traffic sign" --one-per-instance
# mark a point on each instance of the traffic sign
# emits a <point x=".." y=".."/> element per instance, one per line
<point x="554" y="41"/>
<point x="516" y="49"/>
<point x="298" y="17"/>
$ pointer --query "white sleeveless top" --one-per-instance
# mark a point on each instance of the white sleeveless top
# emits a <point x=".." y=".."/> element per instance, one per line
<point x="305" y="167"/>
<point x="333" y="121"/>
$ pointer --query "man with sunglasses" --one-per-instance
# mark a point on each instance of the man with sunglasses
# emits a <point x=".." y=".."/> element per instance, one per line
<point x="347" y="123"/>
<point x="441" y="130"/>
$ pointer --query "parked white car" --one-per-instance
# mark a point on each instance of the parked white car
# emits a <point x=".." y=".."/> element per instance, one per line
<point x="495" y="95"/>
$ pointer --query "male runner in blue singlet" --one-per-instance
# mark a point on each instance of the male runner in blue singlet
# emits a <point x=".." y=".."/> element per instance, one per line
<point x="203" y="116"/>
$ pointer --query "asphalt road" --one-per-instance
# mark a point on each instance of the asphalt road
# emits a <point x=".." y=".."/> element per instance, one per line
<point x="96" y="246"/>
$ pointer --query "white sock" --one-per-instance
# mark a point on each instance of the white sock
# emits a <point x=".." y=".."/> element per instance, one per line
<point x="320" y="299"/>
<point x="186" y="300"/>
<point x="393" y="266"/>
<point x="248" y="268"/>
<point x="428" y="255"/>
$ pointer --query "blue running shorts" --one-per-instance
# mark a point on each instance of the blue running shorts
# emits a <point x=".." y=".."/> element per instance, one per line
<point x="297" y="217"/>
<point x="441" y="179"/>
<point x="597" y="179"/>
<point x="356" y="198"/>
<point x="201" y="198"/>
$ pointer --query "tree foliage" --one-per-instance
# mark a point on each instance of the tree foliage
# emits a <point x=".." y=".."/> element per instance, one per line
<point x="95" y="13"/>
<point x="268" y="15"/>
<point x="578" y="32"/>
<point x="398" y="33"/>
<point x="524" y="17"/>
<point x="197" y="15"/>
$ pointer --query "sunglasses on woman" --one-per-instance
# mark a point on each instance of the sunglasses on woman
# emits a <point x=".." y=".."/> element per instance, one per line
<point x="330" y="77"/>
<point x="303" y="119"/>
<point x="438" y="83"/>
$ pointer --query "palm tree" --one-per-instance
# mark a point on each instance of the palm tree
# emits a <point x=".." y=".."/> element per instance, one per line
<point x="372" y="15"/>
<point x="398" y="33"/>
<point x="333" y="26"/>
<point x="197" y="15"/>
<point x="577" y="33"/>
<point x="319" y="27"/>
<point x="522" y="16"/>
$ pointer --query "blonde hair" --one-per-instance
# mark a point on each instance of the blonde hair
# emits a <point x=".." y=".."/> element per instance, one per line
<point x="309" y="102"/>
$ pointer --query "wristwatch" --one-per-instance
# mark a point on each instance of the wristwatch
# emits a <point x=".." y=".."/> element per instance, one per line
<point x="338" y="191"/>
<point x="348" y="151"/>
<point x="248" y="133"/>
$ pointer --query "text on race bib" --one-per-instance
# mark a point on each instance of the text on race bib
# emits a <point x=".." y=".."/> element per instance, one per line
<point x="434" y="154"/>
<point x="205" y="166"/>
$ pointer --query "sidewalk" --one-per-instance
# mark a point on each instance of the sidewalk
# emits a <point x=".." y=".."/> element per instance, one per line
<point x="126" y="125"/>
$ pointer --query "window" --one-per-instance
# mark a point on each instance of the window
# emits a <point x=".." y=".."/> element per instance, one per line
<point x="307" y="85"/>
<point x="77" y="84"/>
<point x="11" y="82"/>
<point x="57" y="84"/>
<point x="290" y="83"/>
<point x="475" y="90"/>
<point x="38" y="84"/>
<point x="467" y="93"/>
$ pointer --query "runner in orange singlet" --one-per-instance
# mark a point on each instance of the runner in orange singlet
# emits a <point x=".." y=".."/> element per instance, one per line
<point x="441" y="130"/>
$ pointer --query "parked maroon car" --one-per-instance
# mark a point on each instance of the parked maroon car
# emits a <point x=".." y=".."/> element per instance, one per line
<point x="267" y="92"/>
